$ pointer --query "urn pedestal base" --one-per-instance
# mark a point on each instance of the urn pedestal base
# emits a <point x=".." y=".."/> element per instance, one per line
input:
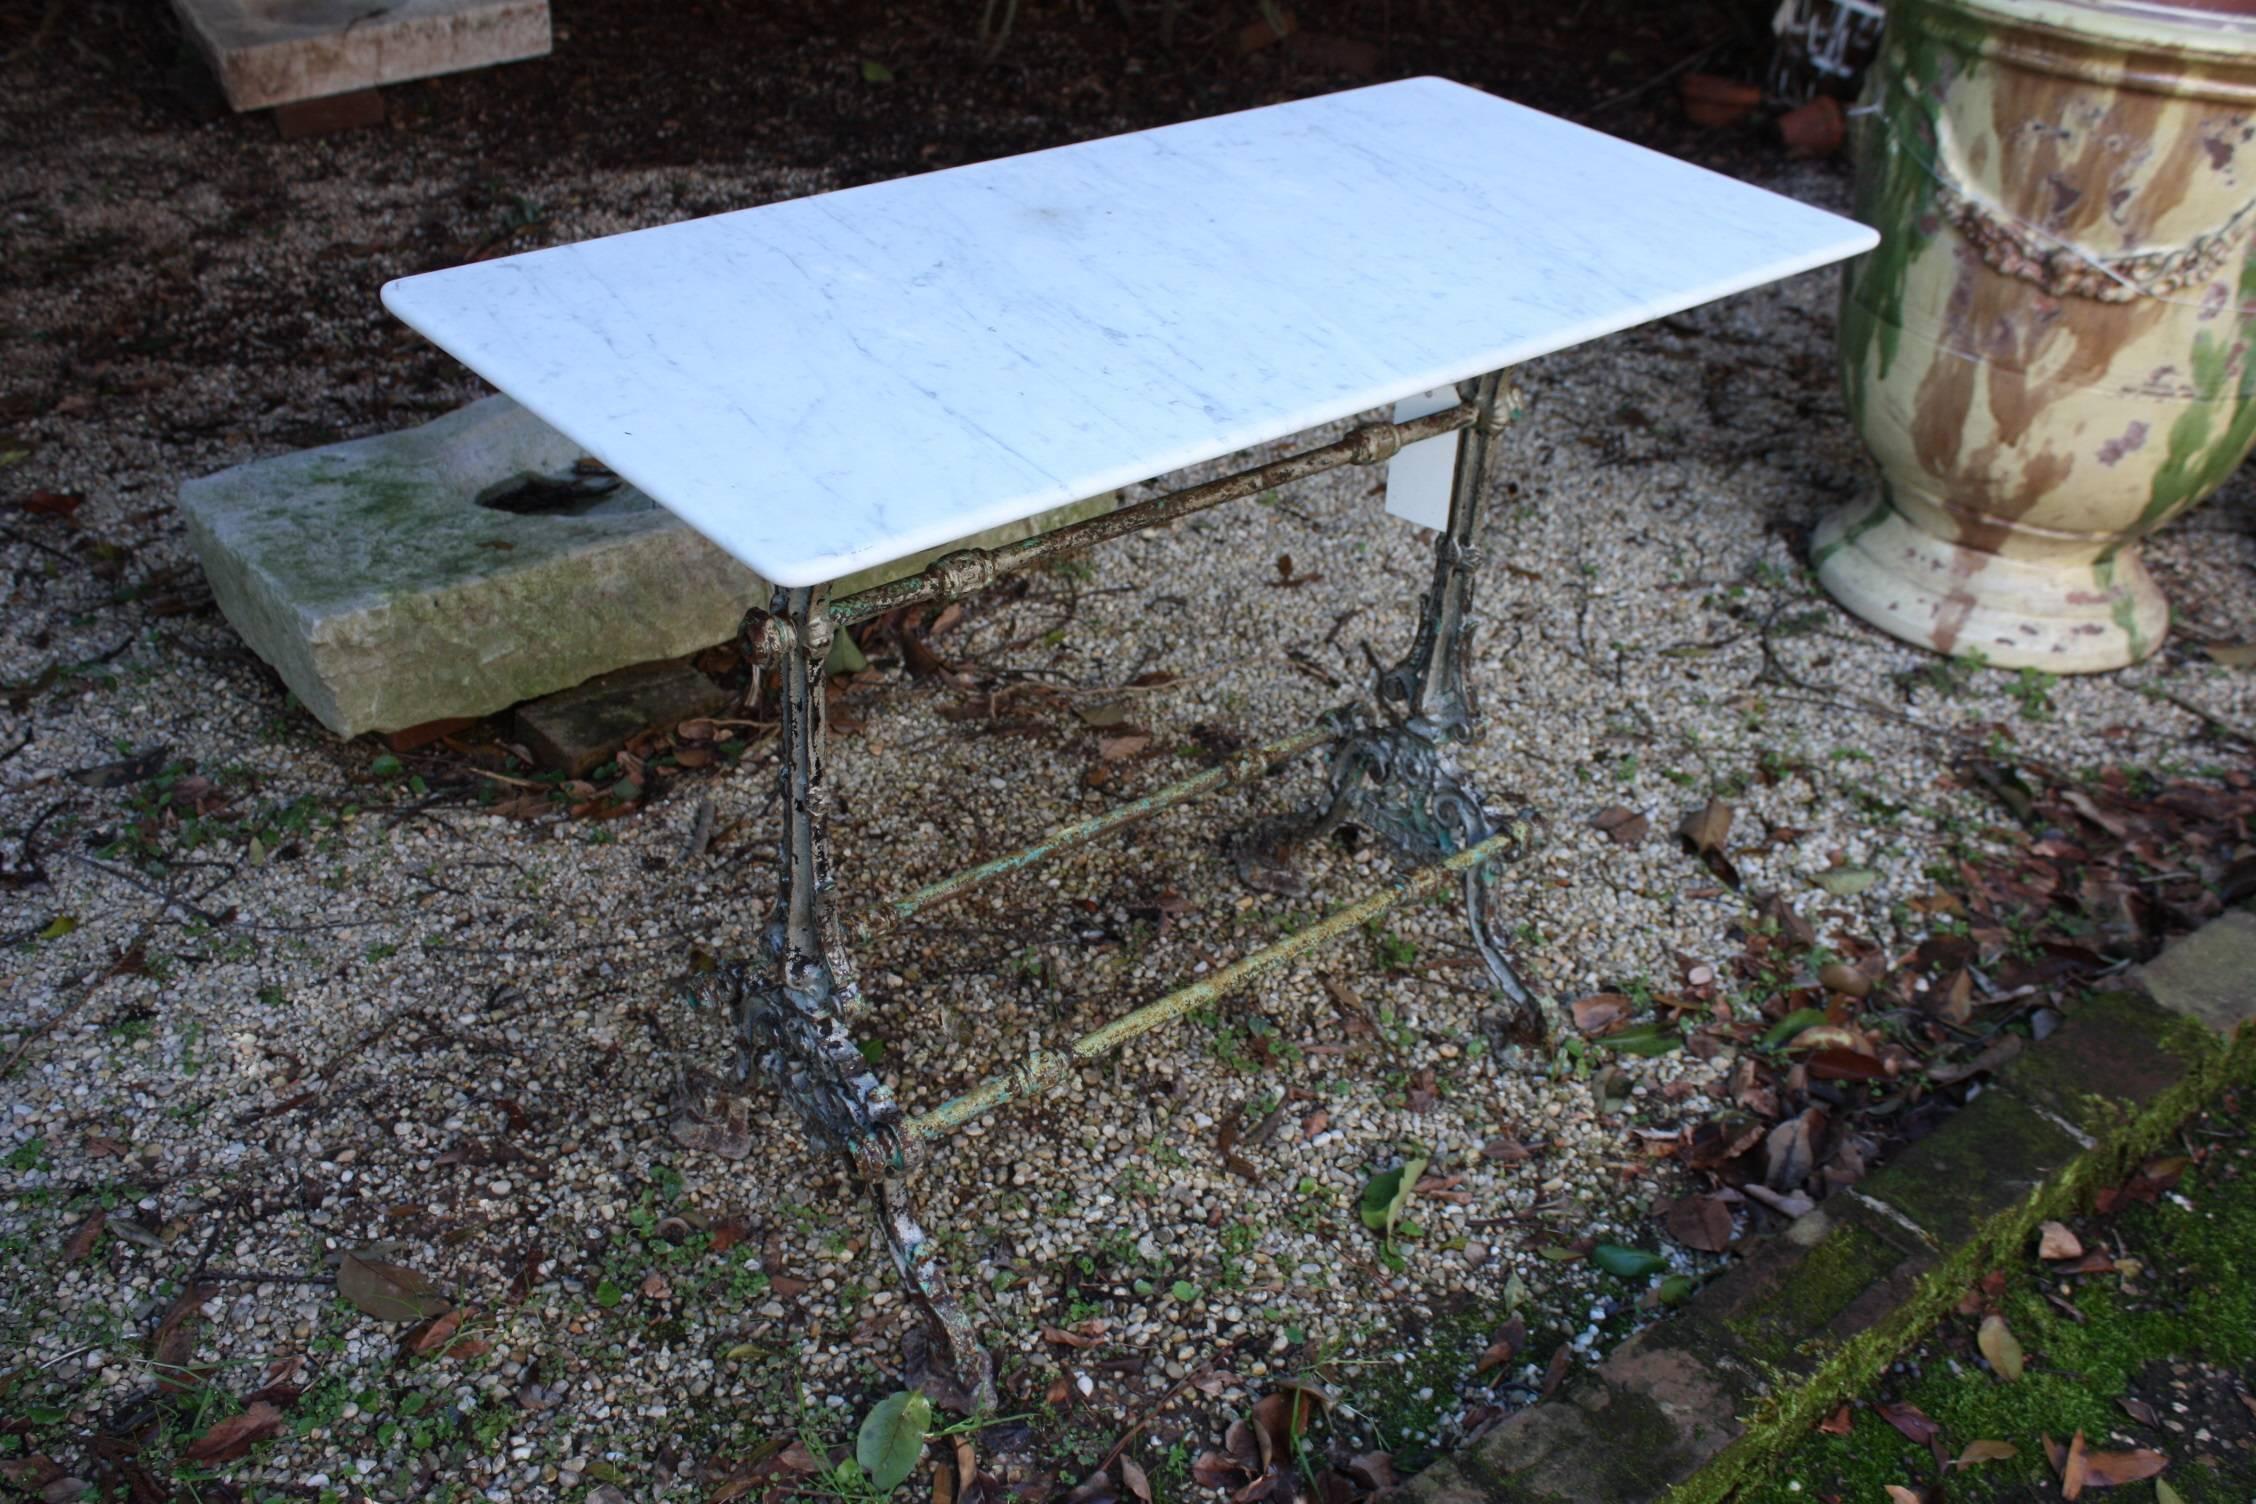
<point x="2065" y="616"/>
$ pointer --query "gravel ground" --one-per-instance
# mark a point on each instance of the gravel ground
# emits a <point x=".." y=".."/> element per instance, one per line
<point x="408" y="1024"/>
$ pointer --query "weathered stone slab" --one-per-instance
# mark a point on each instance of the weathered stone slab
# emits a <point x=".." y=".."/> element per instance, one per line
<point x="2210" y="974"/>
<point x="274" y="52"/>
<point x="381" y="589"/>
<point x="582" y="727"/>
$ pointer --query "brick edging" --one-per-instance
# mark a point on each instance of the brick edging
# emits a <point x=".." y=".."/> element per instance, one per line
<point x="1688" y="1408"/>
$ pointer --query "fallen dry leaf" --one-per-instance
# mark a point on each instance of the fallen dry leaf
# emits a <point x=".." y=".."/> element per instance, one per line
<point x="1124" y="746"/>
<point x="31" y="1474"/>
<point x="1898" y="1494"/>
<point x="2114" y="1469"/>
<point x="1624" y="827"/>
<point x="2001" y="1347"/>
<point x="2074" y="1467"/>
<point x="1790" y="1152"/>
<point x="1910" y="1420"/>
<point x="1841" y="1422"/>
<point x="173" y="1343"/>
<point x="1505" y="1348"/>
<point x="1080" y="1339"/>
<point x="1374" y="1470"/>
<point x="388" y="1292"/>
<point x="1555" y="1373"/>
<point x="431" y="1335"/>
<point x="1986" y="1451"/>
<point x="2055" y="1241"/>
<point x="1846" y="1065"/>
<point x="1600" y="1013"/>
<point x="236" y="1435"/>
<point x="1702" y="1222"/>
<point x="1703" y="833"/>
<point x="84" y="1236"/>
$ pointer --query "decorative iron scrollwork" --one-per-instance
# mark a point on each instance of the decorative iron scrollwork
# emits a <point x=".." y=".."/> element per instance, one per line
<point x="1391" y="773"/>
<point x="792" y="1026"/>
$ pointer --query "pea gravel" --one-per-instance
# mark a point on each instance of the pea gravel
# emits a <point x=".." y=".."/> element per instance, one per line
<point x="453" y="1037"/>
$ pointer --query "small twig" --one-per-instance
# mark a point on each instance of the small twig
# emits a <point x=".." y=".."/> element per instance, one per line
<point x="700" y="831"/>
<point x="2217" y="725"/>
<point x="42" y="1031"/>
<point x="1662" y="77"/>
<point x="169" y="899"/>
<point x="1136" y="1426"/>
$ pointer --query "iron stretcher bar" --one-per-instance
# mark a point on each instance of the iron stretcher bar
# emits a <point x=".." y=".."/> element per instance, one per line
<point x="972" y="569"/>
<point x="1043" y="1069"/>
<point x="1243" y="767"/>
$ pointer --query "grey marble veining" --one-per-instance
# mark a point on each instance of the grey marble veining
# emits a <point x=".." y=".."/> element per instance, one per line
<point x="838" y="381"/>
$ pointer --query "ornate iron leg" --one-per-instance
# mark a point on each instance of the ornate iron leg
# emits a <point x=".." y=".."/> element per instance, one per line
<point x="1391" y="772"/>
<point x="794" y="1026"/>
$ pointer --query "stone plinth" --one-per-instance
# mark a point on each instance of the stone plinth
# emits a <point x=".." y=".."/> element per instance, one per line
<point x="273" y="52"/>
<point x="457" y="568"/>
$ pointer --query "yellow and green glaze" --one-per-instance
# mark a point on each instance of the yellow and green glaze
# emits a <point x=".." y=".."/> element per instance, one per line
<point x="2049" y="354"/>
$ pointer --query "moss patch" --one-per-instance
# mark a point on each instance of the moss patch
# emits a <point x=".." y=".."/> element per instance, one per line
<point x="1775" y="1326"/>
<point x="2194" y="1301"/>
<point x="1997" y="1151"/>
<point x="2117" y="1050"/>
<point x="1858" y="1363"/>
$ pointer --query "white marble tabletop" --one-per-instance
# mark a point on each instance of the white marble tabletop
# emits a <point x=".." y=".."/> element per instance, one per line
<point x="838" y="381"/>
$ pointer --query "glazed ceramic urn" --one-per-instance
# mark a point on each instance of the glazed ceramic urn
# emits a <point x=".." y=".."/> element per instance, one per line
<point x="2048" y="356"/>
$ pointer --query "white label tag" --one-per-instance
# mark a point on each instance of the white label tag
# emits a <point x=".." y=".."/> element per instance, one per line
<point x="1418" y="478"/>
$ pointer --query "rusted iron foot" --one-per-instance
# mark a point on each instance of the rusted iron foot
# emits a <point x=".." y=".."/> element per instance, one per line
<point x="798" y="1037"/>
<point x="919" y="1264"/>
<point x="1402" y="786"/>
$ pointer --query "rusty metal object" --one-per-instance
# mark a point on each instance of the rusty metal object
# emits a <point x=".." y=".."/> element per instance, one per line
<point x="973" y="569"/>
<point x="793" y="1023"/>
<point x="1250" y="764"/>
<point x="2049" y="354"/>
<point x="1043" y="1069"/>
<point x="1391" y="772"/>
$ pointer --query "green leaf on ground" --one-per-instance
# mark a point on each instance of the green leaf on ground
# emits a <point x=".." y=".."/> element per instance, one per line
<point x="892" y="1438"/>
<point x="1627" y="1263"/>
<point x="2001" y="1347"/>
<point x="1791" y="1025"/>
<point x="876" y="73"/>
<point x="389" y="1292"/>
<point x="1387" y="1194"/>
<point x="1846" y="882"/>
<point x="1646" y="1040"/>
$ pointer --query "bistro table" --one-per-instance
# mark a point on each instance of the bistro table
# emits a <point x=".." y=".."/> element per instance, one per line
<point x="842" y="381"/>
